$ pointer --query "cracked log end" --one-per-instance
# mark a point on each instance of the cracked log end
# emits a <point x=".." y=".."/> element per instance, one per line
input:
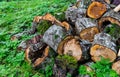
<point x="107" y="19"/>
<point x="88" y="33"/>
<point x="96" y="9"/>
<point x="70" y="46"/>
<point x="98" y="51"/>
<point x="36" y="57"/>
<point x="116" y="66"/>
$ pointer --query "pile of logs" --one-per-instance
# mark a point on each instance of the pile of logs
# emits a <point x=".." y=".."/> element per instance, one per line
<point x="81" y="36"/>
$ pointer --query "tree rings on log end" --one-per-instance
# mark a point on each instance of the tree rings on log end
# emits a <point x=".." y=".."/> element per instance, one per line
<point x="98" y="51"/>
<point x="88" y="34"/>
<point x="116" y="66"/>
<point x="96" y="9"/>
<point x="70" y="46"/>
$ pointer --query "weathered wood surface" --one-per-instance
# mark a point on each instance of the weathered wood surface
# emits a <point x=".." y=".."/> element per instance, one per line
<point x="86" y="28"/>
<point x="110" y="16"/>
<point x="103" y="46"/>
<point x="54" y="35"/>
<point x="73" y="13"/>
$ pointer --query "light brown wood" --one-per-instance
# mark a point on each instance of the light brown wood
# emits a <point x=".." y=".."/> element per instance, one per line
<point x="116" y="66"/>
<point x="98" y="51"/>
<point x="96" y="9"/>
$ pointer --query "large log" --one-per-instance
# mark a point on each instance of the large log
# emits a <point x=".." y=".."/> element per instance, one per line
<point x="63" y="43"/>
<point x="86" y="28"/>
<point x="103" y="46"/>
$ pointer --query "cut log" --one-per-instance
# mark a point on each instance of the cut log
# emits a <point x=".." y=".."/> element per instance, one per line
<point x="61" y="42"/>
<point x="36" y="53"/>
<point x="109" y="17"/>
<point x="116" y="66"/>
<point x="37" y="20"/>
<point x="86" y="28"/>
<point x="72" y="45"/>
<point x="83" y="3"/>
<point x="54" y="35"/>
<point x="72" y="13"/>
<point x="103" y="46"/>
<point x="96" y="9"/>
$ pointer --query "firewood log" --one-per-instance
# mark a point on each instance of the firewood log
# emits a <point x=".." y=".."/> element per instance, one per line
<point x="109" y="17"/>
<point x="72" y="13"/>
<point x="96" y="9"/>
<point x="37" y="20"/>
<point x="86" y="28"/>
<point x="103" y="46"/>
<point x="63" y="43"/>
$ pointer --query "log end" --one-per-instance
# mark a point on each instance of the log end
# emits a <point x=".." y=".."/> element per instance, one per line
<point x="98" y="51"/>
<point x="70" y="46"/>
<point x="88" y="33"/>
<point x="96" y="9"/>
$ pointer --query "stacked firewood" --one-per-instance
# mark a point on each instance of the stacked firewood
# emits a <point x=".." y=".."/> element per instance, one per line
<point x="81" y="36"/>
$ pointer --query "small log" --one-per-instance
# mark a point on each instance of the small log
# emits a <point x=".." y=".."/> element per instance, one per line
<point x="103" y="46"/>
<point x="109" y="17"/>
<point x="86" y="28"/>
<point x="96" y="9"/>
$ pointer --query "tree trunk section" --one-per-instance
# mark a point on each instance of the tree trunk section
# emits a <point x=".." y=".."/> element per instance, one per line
<point x="103" y="46"/>
<point x="86" y="28"/>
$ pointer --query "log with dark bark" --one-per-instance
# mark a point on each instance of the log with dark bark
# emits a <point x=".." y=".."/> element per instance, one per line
<point x="109" y="17"/>
<point x="86" y="28"/>
<point x="103" y="46"/>
<point x="25" y="44"/>
<point x="36" y="53"/>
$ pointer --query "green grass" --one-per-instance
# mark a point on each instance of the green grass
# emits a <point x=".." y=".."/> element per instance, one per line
<point x="16" y="16"/>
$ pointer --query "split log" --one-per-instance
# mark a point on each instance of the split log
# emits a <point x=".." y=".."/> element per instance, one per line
<point x="36" y="53"/>
<point x="63" y="43"/>
<point x="86" y="28"/>
<point x="103" y="46"/>
<point x="109" y="17"/>
<point x="96" y="9"/>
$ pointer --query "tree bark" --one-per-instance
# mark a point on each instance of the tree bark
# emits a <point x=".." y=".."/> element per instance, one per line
<point x="86" y="28"/>
<point x="103" y="46"/>
<point x="109" y="17"/>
